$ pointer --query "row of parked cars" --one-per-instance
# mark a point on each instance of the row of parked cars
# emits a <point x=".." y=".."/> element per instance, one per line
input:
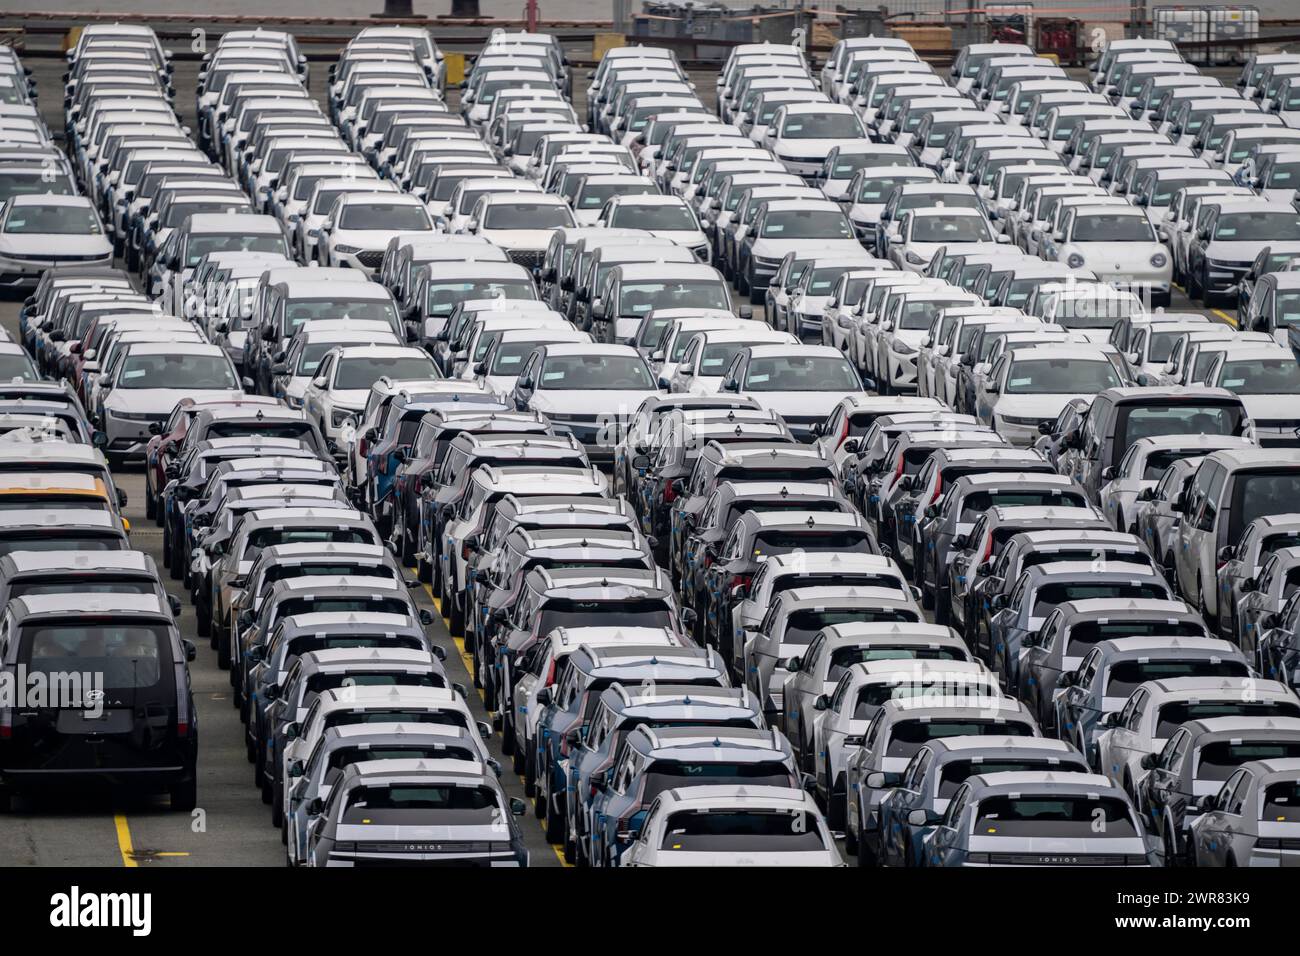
<point x="921" y="560"/>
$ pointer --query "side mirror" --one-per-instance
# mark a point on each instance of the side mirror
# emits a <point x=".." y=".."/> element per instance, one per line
<point x="544" y="697"/>
<point x="850" y="446"/>
<point x="1148" y="761"/>
<point x="426" y="616"/>
<point x="316" y="807"/>
<point x="1250" y="584"/>
<point x="1108" y="473"/>
<point x="517" y="807"/>
<point x="191" y="651"/>
<point x="920" y="818"/>
<point x="823" y="702"/>
<point x="794" y="664"/>
<point x="1067" y="679"/>
<point x="1227" y="553"/>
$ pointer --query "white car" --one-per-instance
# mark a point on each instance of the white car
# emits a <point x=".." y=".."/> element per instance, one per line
<point x="708" y="354"/>
<point x="922" y="232"/>
<point x="337" y="392"/>
<point x="1118" y="245"/>
<point x="1091" y="309"/>
<point x="903" y="326"/>
<point x="1030" y="385"/>
<point x="802" y="383"/>
<point x="499" y="367"/>
<point x="664" y="217"/>
<point x="521" y="224"/>
<point x="39" y="231"/>
<point x="1267" y="380"/>
<point x="754" y="826"/>
<point x="150" y="378"/>
<point x="360" y="225"/>
<point x="801" y="134"/>
<point x="810" y="227"/>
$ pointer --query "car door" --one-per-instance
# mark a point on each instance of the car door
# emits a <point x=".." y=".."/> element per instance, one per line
<point x="1123" y="746"/>
<point x="1074" y="697"/>
<point x="1214" y="832"/>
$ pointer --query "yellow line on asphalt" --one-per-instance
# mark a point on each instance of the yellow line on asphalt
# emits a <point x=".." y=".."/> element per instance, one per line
<point x="171" y="853"/>
<point x="468" y="661"/>
<point x="124" y="840"/>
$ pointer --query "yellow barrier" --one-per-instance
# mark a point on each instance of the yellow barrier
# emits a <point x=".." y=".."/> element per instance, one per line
<point x="606" y="41"/>
<point x="455" y="63"/>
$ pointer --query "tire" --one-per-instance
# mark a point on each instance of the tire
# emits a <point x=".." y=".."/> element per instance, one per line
<point x="554" y="824"/>
<point x="1170" y="843"/>
<point x="184" y="795"/>
<point x="203" y="622"/>
<point x="150" y="505"/>
<point x="851" y="846"/>
<point x="277" y="809"/>
<point x="176" y="566"/>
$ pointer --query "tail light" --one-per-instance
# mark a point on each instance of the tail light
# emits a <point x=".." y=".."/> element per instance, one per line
<point x="182" y="729"/>
<point x="669" y="495"/>
<point x="741" y="580"/>
<point x="6" y="723"/>
<point x="363" y="447"/>
<point x="898" y="472"/>
<point x="550" y="675"/>
<point x="844" y="432"/>
<point x="988" y="550"/>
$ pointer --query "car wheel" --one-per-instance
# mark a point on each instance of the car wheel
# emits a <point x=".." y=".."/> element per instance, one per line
<point x="554" y="826"/>
<point x="277" y="807"/>
<point x="150" y="505"/>
<point x="455" y="617"/>
<point x="1170" y="843"/>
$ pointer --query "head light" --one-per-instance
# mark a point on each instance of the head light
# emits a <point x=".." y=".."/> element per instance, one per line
<point x="1074" y="261"/>
<point x="1158" y="260"/>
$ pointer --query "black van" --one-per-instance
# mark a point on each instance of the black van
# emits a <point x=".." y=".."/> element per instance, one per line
<point x="125" y="715"/>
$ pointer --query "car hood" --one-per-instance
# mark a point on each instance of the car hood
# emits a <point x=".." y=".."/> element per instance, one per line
<point x="567" y="403"/>
<point x="519" y="238"/>
<point x="1243" y="253"/>
<point x="772" y="248"/>
<point x="42" y="244"/>
<point x="1034" y="406"/>
<point x="1271" y="406"/>
<point x="162" y="400"/>
<point x="797" y="403"/>
<point x="365" y="238"/>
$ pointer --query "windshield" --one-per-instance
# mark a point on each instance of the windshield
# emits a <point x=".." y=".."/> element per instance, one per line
<point x="807" y="224"/>
<point x="671" y="774"/>
<point x="443" y="297"/>
<point x="1095" y="311"/>
<point x="17" y="366"/>
<point x="1261" y="376"/>
<point x="52" y="220"/>
<point x="177" y="371"/>
<point x="301" y="311"/>
<point x="1060" y="376"/>
<point x="877" y="189"/>
<point x="822" y="126"/>
<point x="406" y="217"/>
<point x="1258" y="226"/>
<point x="944" y="229"/>
<point x="179" y="212"/>
<point x="566" y="613"/>
<point x="595" y="371"/>
<point x="595" y="197"/>
<point x="745" y="831"/>
<point x="638" y="298"/>
<point x="663" y="218"/>
<point x="801" y="373"/>
<point x="1112" y="227"/>
<point x="200" y="245"/>
<point x="363" y="371"/>
<point x="520" y="215"/>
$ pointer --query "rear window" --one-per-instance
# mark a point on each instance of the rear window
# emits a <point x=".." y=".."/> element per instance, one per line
<point x="1124" y="676"/>
<point x="753" y="831"/>
<point x="625" y="613"/>
<point x="1282" y="802"/>
<point x="126" y="654"/>
<point x="783" y="542"/>
<point x="1148" y="421"/>
<point x="346" y="756"/>
<point x="1048" y="597"/>
<point x="909" y="736"/>
<point x="63" y="543"/>
<point x="413" y="804"/>
<point x="802" y="626"/>
<point x="1084" y="635"/>
<point x="955" y="773"/>
<point x="324" y="682"/>
<point x="1218" y="759"/>
<point x="668" y="774"/>
<point x="1260" y="493"/>
<point x="1028" y="815"/>
<point x="1172" y="716"/>
<point x="348" y="718"/>
<point x="846" y="657"/>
